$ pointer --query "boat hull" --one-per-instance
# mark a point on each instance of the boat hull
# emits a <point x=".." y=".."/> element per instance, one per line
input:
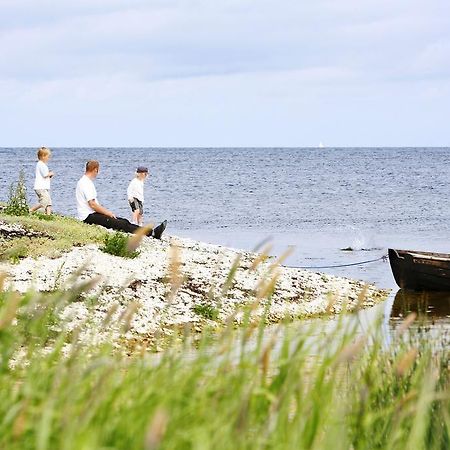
<point x="420" y="271"/>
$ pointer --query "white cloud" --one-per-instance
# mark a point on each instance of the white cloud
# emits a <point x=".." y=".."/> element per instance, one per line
<point x="260" y="67"/>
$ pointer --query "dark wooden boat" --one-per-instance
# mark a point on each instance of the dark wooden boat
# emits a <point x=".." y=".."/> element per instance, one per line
<point x="420" y="271"/>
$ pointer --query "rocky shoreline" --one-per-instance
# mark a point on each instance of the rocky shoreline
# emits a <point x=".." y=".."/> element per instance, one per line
<point x="179" y="282"/>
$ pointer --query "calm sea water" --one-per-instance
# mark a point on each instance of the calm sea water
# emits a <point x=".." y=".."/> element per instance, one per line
<point x="317" y="200"/>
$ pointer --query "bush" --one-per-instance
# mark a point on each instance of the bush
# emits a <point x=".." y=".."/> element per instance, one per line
<point x="15" y="253"/>
<point x="47" y="217"/>
<point x="117" y="244"/>
<point x="17" y="202"/>
<point x="206" y="311"/>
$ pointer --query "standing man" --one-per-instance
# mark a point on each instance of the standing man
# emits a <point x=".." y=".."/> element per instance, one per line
<point x="90" y="211"/>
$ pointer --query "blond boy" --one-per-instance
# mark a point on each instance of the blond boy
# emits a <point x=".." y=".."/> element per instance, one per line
<point x="42" y="181"/>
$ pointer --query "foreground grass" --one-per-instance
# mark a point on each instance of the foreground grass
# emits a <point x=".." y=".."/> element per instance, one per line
<point x="253" y="392"/>
<point x="61" y="235"/>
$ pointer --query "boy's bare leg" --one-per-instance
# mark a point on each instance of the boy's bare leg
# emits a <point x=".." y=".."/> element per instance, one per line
<point x="140" y="219"/>
<point x="136" y="217"/>
<point x="48" y="210"/>
<point x="35" y="208"/>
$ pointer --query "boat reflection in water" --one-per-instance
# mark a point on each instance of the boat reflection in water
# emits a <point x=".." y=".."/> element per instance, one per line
<point x="429" y="306"/>
<point x="432" y="321"/>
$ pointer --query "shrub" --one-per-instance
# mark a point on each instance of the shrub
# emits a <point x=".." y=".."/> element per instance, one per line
<point x="47" y="217"/>
<point x="117" y="244"/>
<point x="206" y="311"/>
<point x="16" y="253"/>
<point x="17" y="202"/>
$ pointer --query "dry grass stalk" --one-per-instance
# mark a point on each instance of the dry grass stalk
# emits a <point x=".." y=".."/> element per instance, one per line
<point x="332" y="299"/>
<point x="156" y="429"/>
<point x="406" y="362"/>
<point x="134" y="241"/>
<point x="3" y="277"/>
<point x="263" y="256"/>
<point x="267" y="284"/>
<point x="265" y="357"/>
<point x="362" y="296"/>
<point x="231" y="276"/>
<point x="279" y="261"/>
<point x="127" y="315"/>
<point x="410" y="318"/>
<point x="175" y="275"/>
<point x="266" y="289"/>
<point x="349" y="352"/>
<point x="109" y="314"/>
<point x="10" y="310"/>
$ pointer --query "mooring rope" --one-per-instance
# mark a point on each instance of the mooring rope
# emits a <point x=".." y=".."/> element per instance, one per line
<point x="381" y="258"/>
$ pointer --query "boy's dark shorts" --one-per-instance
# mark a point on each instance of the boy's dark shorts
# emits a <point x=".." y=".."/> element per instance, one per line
<point x="136" y="204"/>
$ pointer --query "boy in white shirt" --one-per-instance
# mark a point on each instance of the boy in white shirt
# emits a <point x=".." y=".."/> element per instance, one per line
<point x="135" y="193"/>
<point x="92" y="212"/>
<point x="42" y="181"/>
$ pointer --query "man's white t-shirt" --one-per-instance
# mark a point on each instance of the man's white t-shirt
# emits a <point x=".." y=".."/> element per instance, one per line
<point x="85" y="192"/>
<point x="136" y="189"/>
<point x="40" y="182"/>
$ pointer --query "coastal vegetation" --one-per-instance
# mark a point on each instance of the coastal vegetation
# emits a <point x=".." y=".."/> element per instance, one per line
<point x="288" y="388"/>
<point x="17" y="201"/>
<point x="46" y="235"/>
<point x="208" y="311"/>
<point x="117" y="244"/>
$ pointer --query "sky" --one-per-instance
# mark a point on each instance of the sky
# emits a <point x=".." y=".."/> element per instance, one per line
<point x="224" y="73"/>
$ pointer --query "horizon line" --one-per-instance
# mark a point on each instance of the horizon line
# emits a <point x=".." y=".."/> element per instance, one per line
<point x="225" y="147"/>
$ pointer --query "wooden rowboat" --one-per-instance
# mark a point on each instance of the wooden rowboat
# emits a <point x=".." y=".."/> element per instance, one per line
<point x="420" y="271"/>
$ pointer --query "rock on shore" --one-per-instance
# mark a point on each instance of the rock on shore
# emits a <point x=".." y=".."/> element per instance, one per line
<point x="170" y="277"/>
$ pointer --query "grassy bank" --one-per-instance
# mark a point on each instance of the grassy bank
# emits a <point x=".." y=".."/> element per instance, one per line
<point x="57" y="234"/>
<point x="354" y="393"/>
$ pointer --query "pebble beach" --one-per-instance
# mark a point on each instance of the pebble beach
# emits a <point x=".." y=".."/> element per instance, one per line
<point x="171" y="278"/>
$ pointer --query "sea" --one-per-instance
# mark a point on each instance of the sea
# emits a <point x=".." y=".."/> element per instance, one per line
<point x="333" y="209"/>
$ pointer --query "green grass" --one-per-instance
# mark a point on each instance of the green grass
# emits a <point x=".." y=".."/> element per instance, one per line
<point x="117" y="244"/>
<point x="62" y="234"/>
<point x="17" y="200"/>
<point x="206" y="311"/>
<point x="242" y="390"/>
